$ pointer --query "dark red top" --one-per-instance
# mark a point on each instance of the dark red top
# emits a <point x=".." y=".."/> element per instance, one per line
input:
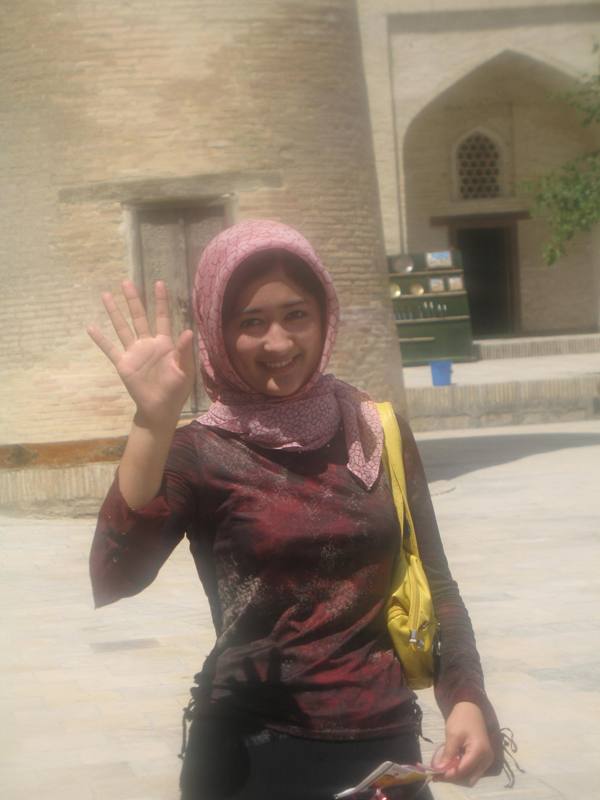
<point x="295" y="557"/>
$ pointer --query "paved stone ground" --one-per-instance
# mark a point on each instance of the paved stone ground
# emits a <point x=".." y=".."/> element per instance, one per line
<point x="91" y="699"/>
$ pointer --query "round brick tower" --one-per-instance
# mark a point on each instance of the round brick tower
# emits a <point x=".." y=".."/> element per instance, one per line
<point x="131" y="133"/>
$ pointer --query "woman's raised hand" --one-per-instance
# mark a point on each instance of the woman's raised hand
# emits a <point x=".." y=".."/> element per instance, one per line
<point x="158" y="373"/>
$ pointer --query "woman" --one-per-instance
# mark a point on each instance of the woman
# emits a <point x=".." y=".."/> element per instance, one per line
<point x="293" y="530"/>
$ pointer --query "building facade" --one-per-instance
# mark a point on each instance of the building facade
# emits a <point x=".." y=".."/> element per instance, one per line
<point x="464" y="108"/>
<point x="133" y="132"/>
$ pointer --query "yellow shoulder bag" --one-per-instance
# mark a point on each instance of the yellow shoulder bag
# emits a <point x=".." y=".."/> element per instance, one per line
<point x="410" y="616"/>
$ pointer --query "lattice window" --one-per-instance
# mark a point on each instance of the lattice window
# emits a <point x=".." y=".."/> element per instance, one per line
<point x="479" y="167"/>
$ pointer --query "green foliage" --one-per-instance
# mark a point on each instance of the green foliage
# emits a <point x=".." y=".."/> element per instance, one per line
<point x="586" y="98"/>
<point x="569" y="197"/>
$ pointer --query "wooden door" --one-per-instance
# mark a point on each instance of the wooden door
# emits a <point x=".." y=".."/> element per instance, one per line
<point x="170" y="242"/>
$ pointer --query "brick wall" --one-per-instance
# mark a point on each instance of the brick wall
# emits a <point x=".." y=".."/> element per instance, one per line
<point x="111" y="104"/>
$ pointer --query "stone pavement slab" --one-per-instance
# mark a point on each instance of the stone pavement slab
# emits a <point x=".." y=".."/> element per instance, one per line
<point x="91" y="699"/>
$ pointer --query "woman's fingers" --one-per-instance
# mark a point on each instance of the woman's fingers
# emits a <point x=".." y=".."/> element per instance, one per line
<point x="108" y="348"/>
<point x="467" y="767"/>
<point x="136" y="309"/>
<point x="161" y="308"/>
<point x="477" y="762"/>
<point x="119" y="322"/>
<point x="141" y="329"/>
<point x="460" y="769"/>
<point x="185" y="352"/>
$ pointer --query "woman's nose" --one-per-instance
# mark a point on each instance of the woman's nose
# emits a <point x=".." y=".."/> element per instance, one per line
<point x="277" y="339"/>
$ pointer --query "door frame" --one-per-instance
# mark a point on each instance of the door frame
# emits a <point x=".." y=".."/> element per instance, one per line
<point x="509" y="222"/>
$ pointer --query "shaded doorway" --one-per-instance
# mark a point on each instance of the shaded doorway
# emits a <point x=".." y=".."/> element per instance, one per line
<point x="490" y="268"/>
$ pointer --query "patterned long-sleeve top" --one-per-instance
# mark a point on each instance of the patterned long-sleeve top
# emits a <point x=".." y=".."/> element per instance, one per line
<point x="295" y="557"/>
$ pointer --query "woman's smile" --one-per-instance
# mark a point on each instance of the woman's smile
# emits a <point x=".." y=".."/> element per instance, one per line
<point x="280" y="365"/>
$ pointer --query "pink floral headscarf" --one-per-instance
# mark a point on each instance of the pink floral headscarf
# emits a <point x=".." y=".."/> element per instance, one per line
<point x="309" y="418"/>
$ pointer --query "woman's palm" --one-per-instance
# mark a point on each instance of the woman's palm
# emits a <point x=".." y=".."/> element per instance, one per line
<point x="151" y="372"/>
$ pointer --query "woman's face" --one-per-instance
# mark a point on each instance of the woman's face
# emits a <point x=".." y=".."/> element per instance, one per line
<point x="274" y="334"/>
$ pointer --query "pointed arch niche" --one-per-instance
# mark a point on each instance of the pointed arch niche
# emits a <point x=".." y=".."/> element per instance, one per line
<point x="501" y="124"/>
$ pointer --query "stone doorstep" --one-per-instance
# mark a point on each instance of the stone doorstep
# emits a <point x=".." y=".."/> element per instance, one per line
<point x="533" y="346"/>
<point x="496" y="404"/>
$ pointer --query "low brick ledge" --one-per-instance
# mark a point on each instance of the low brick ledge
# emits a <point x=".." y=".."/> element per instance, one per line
<point x="533" y="346"/>
<point x="71" y="478"/>
<point x="64" y="491"/>
<point x="510" y="403"/>
<point x="580" y="393"/>
<point x="61" y="454"/>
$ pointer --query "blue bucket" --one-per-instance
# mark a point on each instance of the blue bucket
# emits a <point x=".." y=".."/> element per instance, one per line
<point x="441" y="372"/>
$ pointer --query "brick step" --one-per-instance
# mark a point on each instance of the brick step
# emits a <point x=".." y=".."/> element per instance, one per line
<point x="528" y="347"/>
<point x="483" y="405"/>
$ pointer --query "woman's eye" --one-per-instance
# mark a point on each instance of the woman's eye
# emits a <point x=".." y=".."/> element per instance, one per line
<point x="250" y="322"/>
<point x="297" y="314"/>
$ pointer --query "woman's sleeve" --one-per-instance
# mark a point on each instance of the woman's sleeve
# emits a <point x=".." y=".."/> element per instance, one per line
<point x="129" y="547"/>
<point x="459" y="677"/>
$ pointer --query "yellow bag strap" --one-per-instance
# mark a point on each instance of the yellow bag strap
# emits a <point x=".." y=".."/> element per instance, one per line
<point x="392" y="461"/>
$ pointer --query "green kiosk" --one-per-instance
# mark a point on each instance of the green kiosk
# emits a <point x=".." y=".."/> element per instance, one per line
<point x="431" y="307"/>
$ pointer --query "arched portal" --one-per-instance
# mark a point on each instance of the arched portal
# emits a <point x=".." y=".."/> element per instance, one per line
<point x="467" y="155"/>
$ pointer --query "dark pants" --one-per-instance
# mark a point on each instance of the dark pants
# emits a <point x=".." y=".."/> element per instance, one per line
<point x="226" y="761"/>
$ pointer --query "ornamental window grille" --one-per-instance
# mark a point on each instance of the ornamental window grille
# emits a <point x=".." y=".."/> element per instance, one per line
<point x="478" y="167"/>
